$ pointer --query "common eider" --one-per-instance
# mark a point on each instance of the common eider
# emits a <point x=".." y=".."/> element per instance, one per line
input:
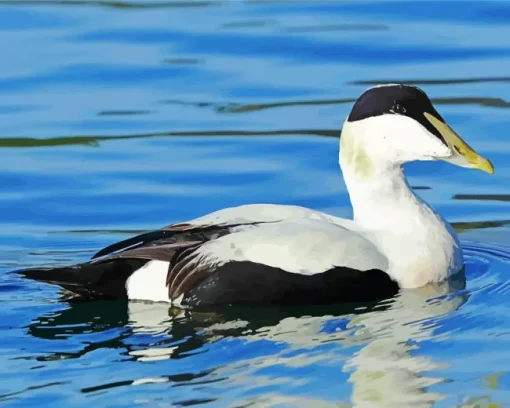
<point x="282" y="254"/>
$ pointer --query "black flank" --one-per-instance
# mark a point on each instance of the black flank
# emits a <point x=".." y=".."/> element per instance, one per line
<point x="253" y="283"/>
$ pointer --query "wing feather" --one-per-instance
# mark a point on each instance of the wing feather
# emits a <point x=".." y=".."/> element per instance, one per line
<point x="171" y="234"/>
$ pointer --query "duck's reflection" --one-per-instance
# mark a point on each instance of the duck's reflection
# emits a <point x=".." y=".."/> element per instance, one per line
<point x="385" y="368"/>
<point x="389" y="371"/>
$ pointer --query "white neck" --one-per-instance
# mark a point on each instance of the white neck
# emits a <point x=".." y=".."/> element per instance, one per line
<point x="382" y="198"/>
<point x="420" y="246"/>
<point x="378" y="190"/>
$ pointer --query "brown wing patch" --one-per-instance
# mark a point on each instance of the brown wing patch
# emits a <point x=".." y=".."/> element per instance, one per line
<point x="189" y="280"/>
<point x="180" y="259"/>
<point x="186" y="270"/>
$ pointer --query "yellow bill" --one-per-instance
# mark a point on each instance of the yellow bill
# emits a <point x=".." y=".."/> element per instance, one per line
<point x="463" y="154"/>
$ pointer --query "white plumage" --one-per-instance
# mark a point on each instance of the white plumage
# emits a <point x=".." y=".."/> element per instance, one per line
<point x="299" y="245"/>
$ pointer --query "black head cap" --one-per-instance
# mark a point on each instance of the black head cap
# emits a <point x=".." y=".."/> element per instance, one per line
<point x="396" y="99"/>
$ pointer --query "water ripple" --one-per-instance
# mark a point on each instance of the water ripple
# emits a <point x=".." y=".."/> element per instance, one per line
<point x="283" y="47"/>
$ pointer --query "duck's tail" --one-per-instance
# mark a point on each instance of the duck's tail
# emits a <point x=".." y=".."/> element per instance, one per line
<point x="101" y="280"/>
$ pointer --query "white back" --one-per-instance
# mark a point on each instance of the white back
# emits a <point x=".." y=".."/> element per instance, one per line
<point x="299" y="246"/>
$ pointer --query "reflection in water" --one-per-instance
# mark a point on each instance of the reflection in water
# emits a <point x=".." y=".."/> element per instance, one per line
<point x="239" y="108"/>
<point x="338" y="27"/>
<point x="248" y="24"/>
<point x="476" y="225"/>
<point x="8" y="396"/>
<point x="123" y="112"/>
<point x="489" y="197"/>
<point x="182" y="61"/>
<point x="94" y="140"/>
<point x="386" y="371"/>
<point x="473" y="100"/>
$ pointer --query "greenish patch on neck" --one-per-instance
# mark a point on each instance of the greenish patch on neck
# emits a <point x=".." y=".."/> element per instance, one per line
<point x="356" y="157"/>
<point x="363" y="166"/>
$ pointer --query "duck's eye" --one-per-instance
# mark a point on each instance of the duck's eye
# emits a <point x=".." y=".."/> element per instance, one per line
<point x="401" y="108"/>
<point x="398" y="108"/>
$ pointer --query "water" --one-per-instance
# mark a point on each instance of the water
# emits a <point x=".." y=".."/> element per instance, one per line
<point x="117" y="117"/>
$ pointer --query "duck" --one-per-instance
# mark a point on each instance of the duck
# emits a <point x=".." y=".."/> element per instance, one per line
<point x="268" y="254"/>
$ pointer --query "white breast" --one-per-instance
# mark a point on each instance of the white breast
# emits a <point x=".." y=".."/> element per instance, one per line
<point x="422" y="251"/>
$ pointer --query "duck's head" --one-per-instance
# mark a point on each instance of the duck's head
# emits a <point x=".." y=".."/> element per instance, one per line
<point x="393" y="124"/>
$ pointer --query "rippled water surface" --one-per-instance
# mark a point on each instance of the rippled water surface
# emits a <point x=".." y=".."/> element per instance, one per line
<point x="118" y="117"/>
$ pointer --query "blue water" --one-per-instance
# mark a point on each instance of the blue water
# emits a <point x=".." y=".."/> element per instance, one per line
<point x="118" y="117"/>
